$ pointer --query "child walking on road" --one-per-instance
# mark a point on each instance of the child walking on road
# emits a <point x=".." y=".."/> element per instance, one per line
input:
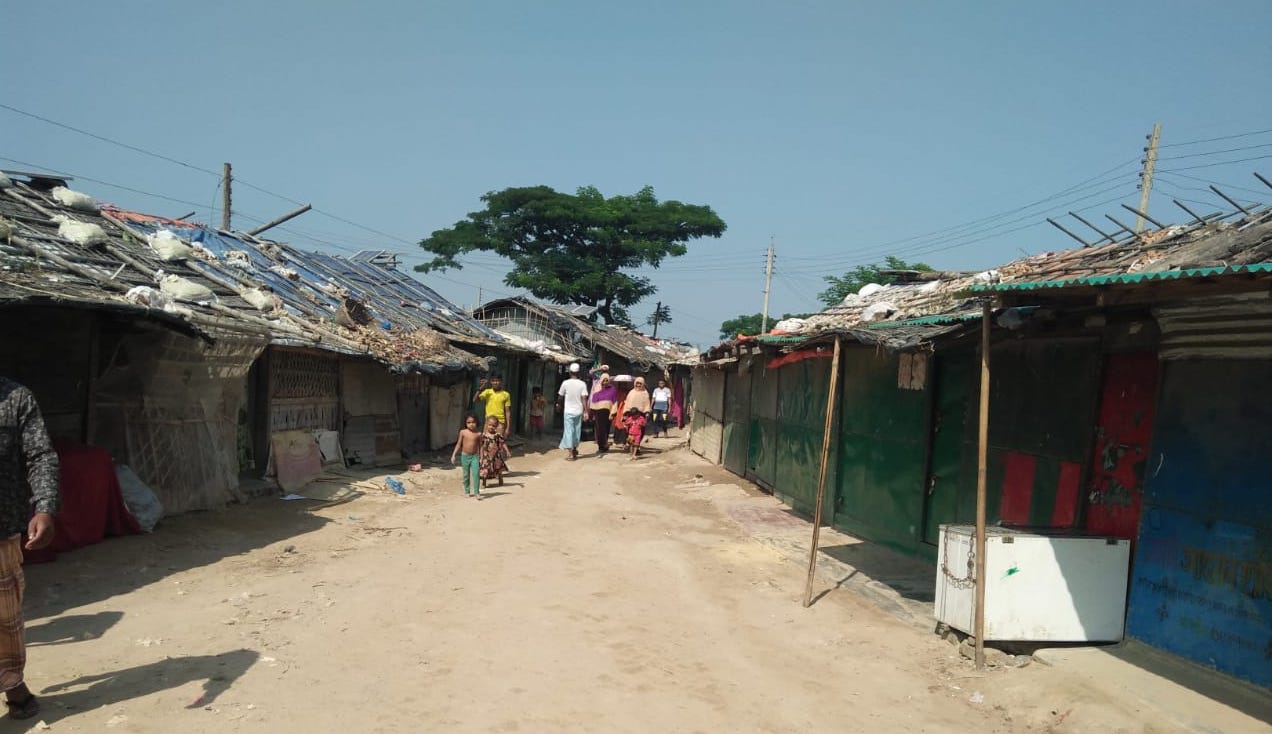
<point x="467" y="447"/>
<point x="634" y="420"/>
<point x="537" y="405"/>
<point x="494" y="453"/>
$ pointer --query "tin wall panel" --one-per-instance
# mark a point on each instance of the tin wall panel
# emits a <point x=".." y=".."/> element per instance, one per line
<point x="882" y="444"/>
<point x="1201" y="583"/>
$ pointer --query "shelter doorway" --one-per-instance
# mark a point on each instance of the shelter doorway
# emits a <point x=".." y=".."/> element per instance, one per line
<point x="949" y="496"/>
<point x="1122" y="436"/>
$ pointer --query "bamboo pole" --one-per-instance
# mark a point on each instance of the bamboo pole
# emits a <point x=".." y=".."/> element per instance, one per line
<point x="821" y="478"/>
<point x="982" y="473"/>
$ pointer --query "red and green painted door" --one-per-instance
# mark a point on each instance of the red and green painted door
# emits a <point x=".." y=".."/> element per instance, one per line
<point x="1043" y="400"/>
<point x="1115" y="490"/>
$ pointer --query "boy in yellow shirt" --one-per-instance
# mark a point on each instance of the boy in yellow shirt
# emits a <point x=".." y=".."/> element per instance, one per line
<point x="498" y="401"/>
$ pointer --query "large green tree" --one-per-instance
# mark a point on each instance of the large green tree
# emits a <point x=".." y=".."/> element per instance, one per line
<point x="853" y="280"/>
<point x="574" y="248"/>
<point x="750" y="324"/>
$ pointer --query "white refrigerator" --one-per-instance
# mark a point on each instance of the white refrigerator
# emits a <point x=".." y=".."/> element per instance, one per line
<point x="1040" y="586"/>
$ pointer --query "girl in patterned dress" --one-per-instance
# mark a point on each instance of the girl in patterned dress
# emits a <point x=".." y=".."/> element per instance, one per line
<point x="494" y="453"/>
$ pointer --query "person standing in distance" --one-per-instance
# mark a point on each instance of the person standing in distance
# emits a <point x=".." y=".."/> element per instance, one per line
<point x="572" y="399"/>
<point x="498" y="401"/>
<point x="28" y="480"/>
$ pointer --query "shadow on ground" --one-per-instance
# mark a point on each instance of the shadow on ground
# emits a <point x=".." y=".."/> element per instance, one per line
<point x="89" y="692"/>
<point x="1244" y="697"/>
<point x="122" y="564"/>
<point x="71" y="628"/>
<point x="909" y="577"/>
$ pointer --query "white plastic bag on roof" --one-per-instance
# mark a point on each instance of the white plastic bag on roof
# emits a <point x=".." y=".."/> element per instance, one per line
<point x="5" y="181"/>
<point x="878" y="311"/>
<point x="261" y="299"/>
<point x="238" y="259"/>
<point x="73" y="199"/>
<point x="869" y="289"/>
<point x="202" y="252"/>
<point x="144" y="295"/>
<point x="184" y="289"/>
<point x="287" y="273"/>
<point x="81" y="233"/>
<point x="168" y="246"/>
<point x="791" y="326"/>
<point x="988" y="277"/>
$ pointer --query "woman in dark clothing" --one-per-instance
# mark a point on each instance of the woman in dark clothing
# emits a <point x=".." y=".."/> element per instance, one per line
<point x="601" y="403"/>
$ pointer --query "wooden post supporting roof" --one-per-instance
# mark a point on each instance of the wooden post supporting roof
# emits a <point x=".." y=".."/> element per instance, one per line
<point x="982" y="473"/>
<point x="821" y="477"/>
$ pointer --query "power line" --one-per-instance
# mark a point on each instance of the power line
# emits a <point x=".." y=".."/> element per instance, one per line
<point x="1212" y="165"/>
<point x="120" y="186"/>
<point x="978" y="225"/>
<point x="1258" y="192"/>
<point x="1214" y="140"/>
<point x="970" y="238"/>
<point x="103" y="138"/>
<point x="193" y="167"/>
<point x="1216" y="152"/>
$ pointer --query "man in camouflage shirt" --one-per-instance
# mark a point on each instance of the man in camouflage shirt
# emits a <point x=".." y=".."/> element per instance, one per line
<point x="28" y="501"/>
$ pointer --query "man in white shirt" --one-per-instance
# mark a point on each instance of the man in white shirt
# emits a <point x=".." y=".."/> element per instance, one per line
<point x="572" y="399"/>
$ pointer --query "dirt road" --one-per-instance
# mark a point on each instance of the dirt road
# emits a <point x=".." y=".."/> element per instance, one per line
<point x="588" y="596"/>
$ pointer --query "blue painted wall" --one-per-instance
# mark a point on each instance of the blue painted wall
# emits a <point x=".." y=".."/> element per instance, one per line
<point x="1201" y="584"/>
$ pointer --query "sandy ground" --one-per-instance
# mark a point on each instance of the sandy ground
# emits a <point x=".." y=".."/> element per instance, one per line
<point x="602" y="595"/>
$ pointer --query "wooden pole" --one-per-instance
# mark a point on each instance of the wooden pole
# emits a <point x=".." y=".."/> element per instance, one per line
<point x="227" y="199"/>
<point x="821" y="478"/>
<point x="1146" y="178"/>
<point x="982" y="473"/>
<point x="274" y="223"/>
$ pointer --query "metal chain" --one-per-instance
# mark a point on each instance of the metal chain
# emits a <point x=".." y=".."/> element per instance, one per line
<point x="966" y="582"/>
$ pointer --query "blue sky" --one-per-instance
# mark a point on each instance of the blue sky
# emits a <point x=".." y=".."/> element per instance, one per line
<point x="845" y="131"/>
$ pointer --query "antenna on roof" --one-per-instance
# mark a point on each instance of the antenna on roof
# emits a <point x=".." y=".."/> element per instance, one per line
<point x="1092" y="226"/>
<point x="1060" y="227"/>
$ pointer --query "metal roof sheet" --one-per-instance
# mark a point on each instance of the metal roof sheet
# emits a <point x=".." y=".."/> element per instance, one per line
<point x="1124" y="278"/>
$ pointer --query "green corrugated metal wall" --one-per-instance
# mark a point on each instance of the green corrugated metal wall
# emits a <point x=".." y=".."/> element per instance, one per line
<point x="761" y="458"/>
<point x="801" y="424"/>
<point x="951" y="489"/>
<point x="882" y="447"/>
<point x="737" y="415"/>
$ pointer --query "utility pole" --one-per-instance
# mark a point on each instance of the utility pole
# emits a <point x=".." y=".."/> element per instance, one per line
<point x="768" y="282"/>
<point x="1146" y="178"/>
<point x="226" y="198"/>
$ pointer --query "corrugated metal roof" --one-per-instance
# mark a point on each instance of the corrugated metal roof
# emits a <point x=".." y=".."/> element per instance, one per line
<point x="1124" y="278"/>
